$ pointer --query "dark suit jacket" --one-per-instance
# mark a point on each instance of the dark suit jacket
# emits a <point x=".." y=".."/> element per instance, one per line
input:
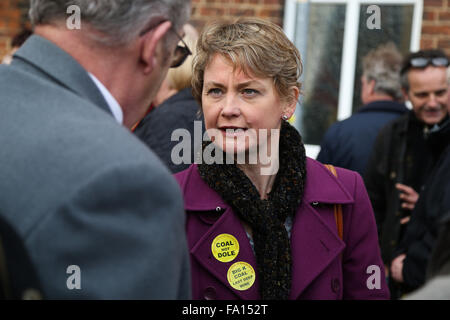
<point x="81" y="190"/>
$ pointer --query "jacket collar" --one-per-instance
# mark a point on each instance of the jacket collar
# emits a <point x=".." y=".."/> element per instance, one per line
<point x="62" y="68"/>
<point x="384" y="105"/>
<point x="320" y="186"/>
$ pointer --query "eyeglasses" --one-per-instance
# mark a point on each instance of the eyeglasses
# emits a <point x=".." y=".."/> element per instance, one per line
<point x="420" y="62"/>
<point x="181" y="52"/>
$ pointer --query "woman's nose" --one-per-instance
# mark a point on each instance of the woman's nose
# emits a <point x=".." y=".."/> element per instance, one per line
<point x="231" y="107"/>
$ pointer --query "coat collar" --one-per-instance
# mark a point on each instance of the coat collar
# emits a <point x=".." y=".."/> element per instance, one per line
<point x="384" y="106"/>
<point x="57" y="64"/>
<point x="320" y="186"/>
<point x="314" y="240"/>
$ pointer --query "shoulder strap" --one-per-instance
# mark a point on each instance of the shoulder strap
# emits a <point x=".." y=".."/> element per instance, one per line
<point x="337" y="207"/>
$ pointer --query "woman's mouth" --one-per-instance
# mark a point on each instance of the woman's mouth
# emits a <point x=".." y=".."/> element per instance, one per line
<point x="232" y="131"/>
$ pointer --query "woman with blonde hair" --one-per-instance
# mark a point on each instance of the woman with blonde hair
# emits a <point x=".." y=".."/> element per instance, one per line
<point x="294" y="232"/>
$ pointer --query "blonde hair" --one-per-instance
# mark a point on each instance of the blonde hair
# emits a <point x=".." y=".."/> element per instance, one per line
<point x="254" y="46"/>
<point x="180" y="78"/>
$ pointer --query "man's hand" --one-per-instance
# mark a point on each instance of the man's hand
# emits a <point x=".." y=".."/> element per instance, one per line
<point x="397" y="268"/>
<point x="408" y="195"/>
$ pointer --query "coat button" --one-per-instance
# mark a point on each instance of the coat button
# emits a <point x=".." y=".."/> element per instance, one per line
<point x="31" y="294"/>
<point x="393" y="175"/>
<point x="335" y="285"/>
<point x="210" y="293"/>
<point x="315" y="204"/>
<point x="218" y="209"/>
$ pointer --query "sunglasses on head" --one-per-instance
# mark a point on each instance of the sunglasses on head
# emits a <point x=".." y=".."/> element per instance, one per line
<point x="181" y="52"/>
<point x="420" y="62"/>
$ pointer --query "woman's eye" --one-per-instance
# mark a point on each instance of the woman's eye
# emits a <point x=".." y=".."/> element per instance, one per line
<point x="214" y="92"/>
<point x="250" y="92"/>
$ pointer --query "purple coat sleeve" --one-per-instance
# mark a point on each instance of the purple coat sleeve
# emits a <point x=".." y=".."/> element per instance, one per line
<point x="363" y="268"/>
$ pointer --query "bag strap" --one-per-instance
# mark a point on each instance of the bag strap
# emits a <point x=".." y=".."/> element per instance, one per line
<point x="337" y="207"/>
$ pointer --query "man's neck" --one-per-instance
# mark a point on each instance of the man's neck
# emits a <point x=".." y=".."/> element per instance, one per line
<point x="108" y="65"/>
<point x="377" y="97"/>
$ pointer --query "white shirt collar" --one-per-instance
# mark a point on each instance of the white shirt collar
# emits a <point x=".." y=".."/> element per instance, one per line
<point x="110" y="100"/>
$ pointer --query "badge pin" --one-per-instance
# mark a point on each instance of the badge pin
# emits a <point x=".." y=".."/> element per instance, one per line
<point x="225" y="247"/>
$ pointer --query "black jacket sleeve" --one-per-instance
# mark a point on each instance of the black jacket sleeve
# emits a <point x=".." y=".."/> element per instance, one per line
<point x="374" y="177"/>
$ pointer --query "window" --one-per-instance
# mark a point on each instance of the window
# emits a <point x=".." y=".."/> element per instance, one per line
<point x="333" y="36"/>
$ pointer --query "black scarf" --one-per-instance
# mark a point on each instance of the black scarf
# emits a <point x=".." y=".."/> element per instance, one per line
<point x="266" y="217"/>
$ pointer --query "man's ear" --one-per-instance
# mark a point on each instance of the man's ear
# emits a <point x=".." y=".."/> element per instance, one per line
<point x="291" y="104"/>
<point x="405" y="94"/>
<point x="149" y="46"/>
<point x="371" y="85"/>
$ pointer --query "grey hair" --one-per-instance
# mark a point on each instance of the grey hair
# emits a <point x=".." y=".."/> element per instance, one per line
<point x="117" y="22"/>
<point x="383" y="65"/>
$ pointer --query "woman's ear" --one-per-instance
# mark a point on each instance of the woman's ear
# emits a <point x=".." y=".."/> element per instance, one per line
<point x="152" y="40"/>
<point x="291" y="104"/>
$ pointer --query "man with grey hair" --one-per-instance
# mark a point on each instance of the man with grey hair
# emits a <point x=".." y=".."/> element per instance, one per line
<point x="98" y="213"/>
<point x="348" y="143"/>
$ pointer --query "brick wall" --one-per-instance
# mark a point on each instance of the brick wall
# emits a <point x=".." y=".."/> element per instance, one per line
<point x="436" y="25"/>
<point x="204" y="11"/>
<point x="13" y="16"/>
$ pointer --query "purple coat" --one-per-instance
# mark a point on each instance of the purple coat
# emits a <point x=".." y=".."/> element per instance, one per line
<point x="323" y="266"/>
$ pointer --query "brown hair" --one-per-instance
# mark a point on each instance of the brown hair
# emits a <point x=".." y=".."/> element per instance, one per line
<point x="254" y="46"/>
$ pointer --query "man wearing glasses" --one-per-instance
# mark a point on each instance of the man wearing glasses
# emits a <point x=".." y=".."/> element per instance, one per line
<point x="404" y="154"/>
<point x="100" y="216"/>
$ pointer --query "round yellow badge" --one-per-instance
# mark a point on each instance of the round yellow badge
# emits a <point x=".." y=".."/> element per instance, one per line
<point x="241" y="276"/>
<point x="225" y="247"/>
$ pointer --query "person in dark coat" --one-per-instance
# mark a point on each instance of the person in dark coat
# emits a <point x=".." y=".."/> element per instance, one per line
<point x="415" y="249"/>
<point x="18" y="276"/>
<point x="437" y="285"/>
<point x="263" y="228"/>
<point x="348" y="143"/>
<point x="402" y="155"/>
<point x="176" y="109"/>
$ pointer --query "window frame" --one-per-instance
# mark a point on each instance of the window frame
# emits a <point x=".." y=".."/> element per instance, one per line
<point x="350" y="44"/>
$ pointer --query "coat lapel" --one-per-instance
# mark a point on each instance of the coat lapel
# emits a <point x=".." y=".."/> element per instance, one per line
<point x="314" y="245"/>
<point x="228" y="223"/>
<point x="314" y="241"/>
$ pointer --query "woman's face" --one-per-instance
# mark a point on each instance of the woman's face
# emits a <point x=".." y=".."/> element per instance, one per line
<point x="239" y="106"/>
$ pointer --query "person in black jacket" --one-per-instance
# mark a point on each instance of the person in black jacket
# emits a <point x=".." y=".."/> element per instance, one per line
<point x="437" y="285"/>
<point x="426" y="244"/>
<point x="403" y="156"/>
<point x="348" y="143"/>
<point x="18" y="274"/>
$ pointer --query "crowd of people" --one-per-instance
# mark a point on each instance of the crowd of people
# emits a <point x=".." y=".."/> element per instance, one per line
<point x="401" y="154"/>
<point x="93" y="206"/>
